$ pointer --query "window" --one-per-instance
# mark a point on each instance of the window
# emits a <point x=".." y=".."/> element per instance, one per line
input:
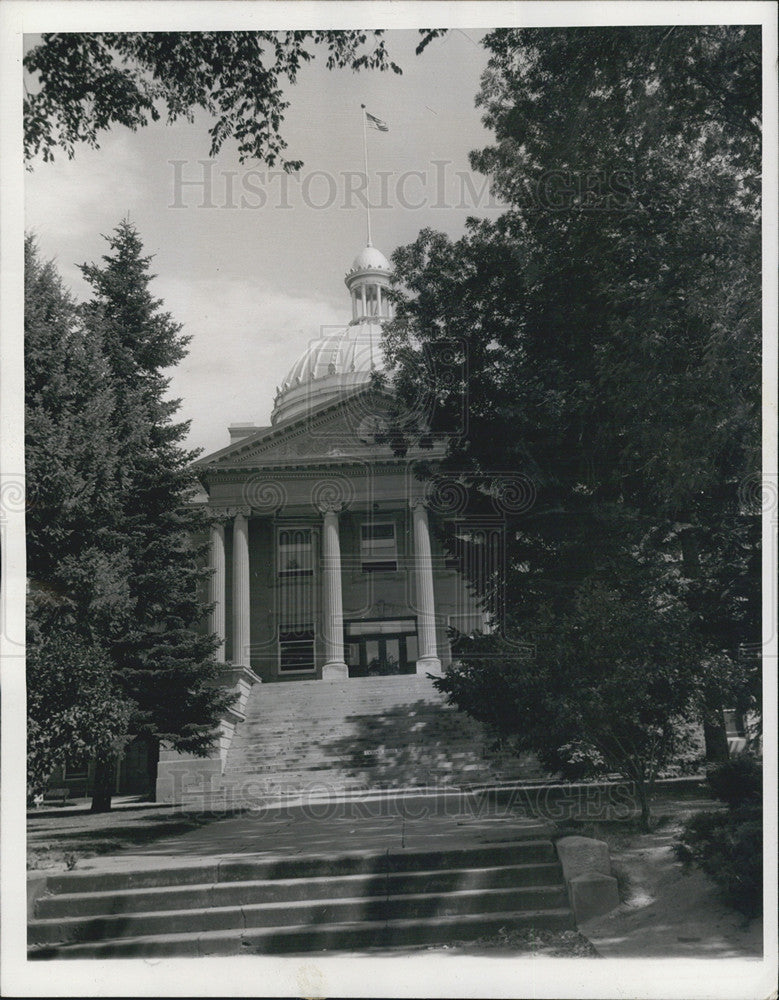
<point x="296" y="650"/>
<point x="296" y="592"/>
<point x="378" y="550"/>
<point x="295" y="552"/>
<point x="477" y="550"/>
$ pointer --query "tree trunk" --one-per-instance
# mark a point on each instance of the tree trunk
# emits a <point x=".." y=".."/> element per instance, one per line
<point x="715" y="736"/>
<point x="152" y="760"/>
<point x="644" y="801"/>
<point x="714" y="733"/>
<point x="104" y="785"/>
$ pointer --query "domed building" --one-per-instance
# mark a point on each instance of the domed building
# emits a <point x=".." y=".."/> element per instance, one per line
<point x="330" y="589"/>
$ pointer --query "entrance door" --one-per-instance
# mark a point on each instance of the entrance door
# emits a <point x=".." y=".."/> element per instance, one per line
<point x="380" y="648"/>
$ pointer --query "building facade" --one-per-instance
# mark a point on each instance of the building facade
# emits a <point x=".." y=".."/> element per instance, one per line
<point x="325" y="564"/>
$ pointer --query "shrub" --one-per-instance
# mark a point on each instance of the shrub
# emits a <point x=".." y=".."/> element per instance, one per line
<point x="737" y="781"/>
<point x="728" y="845"/>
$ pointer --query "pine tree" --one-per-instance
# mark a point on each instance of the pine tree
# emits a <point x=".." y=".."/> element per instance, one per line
<point x="78" y="600"/>
<point x="164" y="662"/>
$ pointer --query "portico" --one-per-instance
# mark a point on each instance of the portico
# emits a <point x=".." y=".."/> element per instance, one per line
<point x="321" y="581"/>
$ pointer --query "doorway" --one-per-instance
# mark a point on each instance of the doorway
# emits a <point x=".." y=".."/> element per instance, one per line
<point x="381" y="648"/>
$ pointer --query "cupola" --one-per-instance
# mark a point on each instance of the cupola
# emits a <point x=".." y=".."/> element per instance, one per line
<point x="368" y="282"/>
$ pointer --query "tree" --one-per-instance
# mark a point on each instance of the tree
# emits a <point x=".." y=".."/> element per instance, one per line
<point x="164" y="659"/>
<point x="86" y="83"/>
<point x="608" y="328"/>
<point x="116" y="635"/>
<point x="74" y="712"/>
<point x="606" y="690"/>
<point x="78" y="599"/>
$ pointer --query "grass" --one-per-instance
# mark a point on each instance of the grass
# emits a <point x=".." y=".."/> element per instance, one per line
<point x="668" y="806"/>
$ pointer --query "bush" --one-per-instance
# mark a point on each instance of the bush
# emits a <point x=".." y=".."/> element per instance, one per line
<point x="728" y="846"/>
<point x="737" y="781"/>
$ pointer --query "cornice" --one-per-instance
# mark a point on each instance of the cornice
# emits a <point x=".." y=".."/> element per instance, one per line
<point x="302" y="468"/>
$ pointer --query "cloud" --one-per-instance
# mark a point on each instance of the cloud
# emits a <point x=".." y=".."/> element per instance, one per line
<point x="71" y="202"/>
<point x="245" y="338"/>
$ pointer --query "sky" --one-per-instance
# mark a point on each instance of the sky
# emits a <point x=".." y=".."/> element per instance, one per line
<point x="253" y="265"/>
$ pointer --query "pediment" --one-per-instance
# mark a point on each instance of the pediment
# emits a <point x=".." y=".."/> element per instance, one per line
<point x="341" y="431"/>
<point x="336" y="433"/>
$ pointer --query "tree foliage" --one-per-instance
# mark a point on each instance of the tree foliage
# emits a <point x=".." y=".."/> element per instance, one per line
<point x="79" y="600"/>
<point x="116" y="615"/>
<point x="603" y="688"/>
<point x="728" y="845"/>
<point x="74" y="711"/>
<point x="607" y="327"/>
<point x="87" y="83"/>
<point x="570" y="98"/>
<point x="164" y="658"/>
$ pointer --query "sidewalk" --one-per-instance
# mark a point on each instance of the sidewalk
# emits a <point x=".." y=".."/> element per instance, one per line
<point x="329" y="829"/>
<point x="670" y="913"/>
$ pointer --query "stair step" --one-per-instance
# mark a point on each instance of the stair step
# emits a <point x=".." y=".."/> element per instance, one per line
<point x="241" y="869"/>
<point x="361" y="909"/>
<point x="307" y="938"/>
<point x="298" y="733"/>
<point x="171" y="897"/>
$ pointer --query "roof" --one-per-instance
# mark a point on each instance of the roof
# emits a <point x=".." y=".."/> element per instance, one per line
<point x="331" y="366"/>
<point x="370" y="259"/>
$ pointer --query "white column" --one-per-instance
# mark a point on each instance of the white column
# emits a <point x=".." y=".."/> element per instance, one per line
<point x="241" y="605"/>
<point x="216" y="621"/>
<point x="378" y="300"/>
<point x="364" y="301"/>
<point x="332" y="603"/>
<point x="428" y="662"/>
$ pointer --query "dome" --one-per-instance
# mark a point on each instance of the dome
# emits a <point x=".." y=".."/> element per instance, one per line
<point x="329" y="368"/>
<point x="369" y="259"/>
<point x="340" y="362"/>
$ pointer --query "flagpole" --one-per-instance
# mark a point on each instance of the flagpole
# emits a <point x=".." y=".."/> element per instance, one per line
<point x="367" y="183"/>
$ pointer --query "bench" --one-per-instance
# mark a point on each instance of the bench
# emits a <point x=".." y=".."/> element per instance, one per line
<point x="56" y="795"/>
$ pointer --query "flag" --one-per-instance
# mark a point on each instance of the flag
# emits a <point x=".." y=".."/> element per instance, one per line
<point x="377" y="123"/>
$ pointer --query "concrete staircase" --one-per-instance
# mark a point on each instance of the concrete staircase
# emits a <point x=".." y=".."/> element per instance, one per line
<point x="349" y="902"/>
<point x="328" y="738"/>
